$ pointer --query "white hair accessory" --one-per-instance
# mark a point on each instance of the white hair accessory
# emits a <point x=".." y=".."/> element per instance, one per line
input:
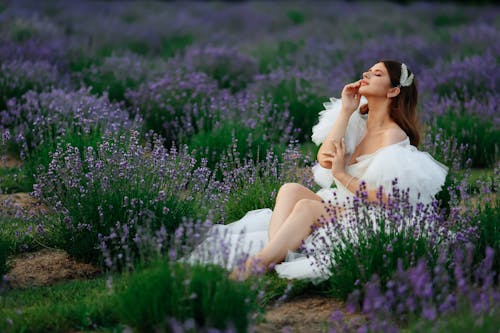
<point x="405" y="80"/>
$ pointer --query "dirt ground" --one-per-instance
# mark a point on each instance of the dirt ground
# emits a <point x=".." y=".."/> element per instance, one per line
<point x="8" y="161"/>
<point x="21" y="203"/>
<point x="46" y="267"/>
<point x="305" y="313"/>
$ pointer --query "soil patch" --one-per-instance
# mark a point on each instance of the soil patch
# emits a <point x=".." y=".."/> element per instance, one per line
<point x="47" y="267"/>
<point x="20" y="203"/>
<point x="8" y="161"/>
<point x="305" y="313"/>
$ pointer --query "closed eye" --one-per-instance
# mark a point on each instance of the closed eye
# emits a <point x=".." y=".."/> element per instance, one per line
<point x="376" y="71"/>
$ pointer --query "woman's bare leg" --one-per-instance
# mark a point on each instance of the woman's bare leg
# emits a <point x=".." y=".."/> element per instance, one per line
<point x="297" y="226"/>
<point x="288" y="196"/>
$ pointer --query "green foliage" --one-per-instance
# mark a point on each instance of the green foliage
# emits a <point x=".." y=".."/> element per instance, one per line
<point x="231" y="69"/>
<point x="247" y="142"/>
<point x="138" y="46"/>
<point x="21" y="30"/>
<point x="172" y="290"/>
<point x="81" y="59"/>
<point x="463" y="321"/>
<point x="487" y="220"/>
<point x="301" y="98"/>
<point x="296" y="16"/>
<point x="376" y="252"/>
<point x="252" y="195"/>
<point x="272" y="57"/>
<point x="19" y="234"/>
<point x="4" y="252"/>
<point x="39" y="158"/>
<point x="448" y="20"/>
<point x="73" y="306"/>
<point x="177" y="106"/>
<point x="172" y="45"/>
<point x="18" y="77"/>
<point x="114" y="196"/>
<point x="256" y="187"/>
<point x="12" y="180"/>
<point x="480" y="135"/>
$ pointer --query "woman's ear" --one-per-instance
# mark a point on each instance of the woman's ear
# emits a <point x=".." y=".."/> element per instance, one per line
<point x="393" y="92"/>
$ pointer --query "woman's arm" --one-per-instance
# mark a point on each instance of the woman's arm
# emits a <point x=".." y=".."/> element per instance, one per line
<point x="353" y="184"/>
<point x="336" y="134"/>
<point x="350" y="102"/>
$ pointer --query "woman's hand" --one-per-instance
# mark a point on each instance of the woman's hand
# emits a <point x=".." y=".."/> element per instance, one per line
<point x="336" y="157"/>
<point x="351" y="97"/>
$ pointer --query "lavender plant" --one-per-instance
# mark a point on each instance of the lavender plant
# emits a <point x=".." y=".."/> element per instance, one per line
<point x="482" y="225"/>
<point x="302" y="94"/>
<point x="20" y="232"/>
<point x="4" y="252"/>
<point x="474" y="76"/>
<point x="371" y="238"/>
<point x="249" y="123"/>
<point x="477" y="134"/>
<point x="18" y="77"/>
<point x="176" y="106"/>
<point x="229" y="67"/>
<point x="121" y="185"/>
<point x="39" y="121"/>
<point x="117" y="74"/>
<point x="277" y="55"/>
<point x="254" y="185"/>
<point x="52" y="51"/>
<point x="203" y="294"/>
<point x="430" y="293"/>
<point x="20" y="28"/>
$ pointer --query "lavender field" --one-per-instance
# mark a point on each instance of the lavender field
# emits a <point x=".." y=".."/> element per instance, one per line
<point x="133" y="127"/>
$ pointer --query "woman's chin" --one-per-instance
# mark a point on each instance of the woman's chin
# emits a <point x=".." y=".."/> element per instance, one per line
<point x="363" y="92"/>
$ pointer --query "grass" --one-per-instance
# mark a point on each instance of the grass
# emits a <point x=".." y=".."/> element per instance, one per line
<point x="13" y="180"/>
<point x="75" y="305"/>
<point x="19" y="234"/>
<point x="202" y="293"/>
<point x="142" y="300"/>
<point x="464" y="321"/>
<point x="4" y="251"/>
<point x="480" y="136"/>
<point x="213" y="143"/>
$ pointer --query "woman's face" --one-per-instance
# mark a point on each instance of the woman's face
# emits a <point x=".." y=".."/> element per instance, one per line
<point x="375" y="81"/>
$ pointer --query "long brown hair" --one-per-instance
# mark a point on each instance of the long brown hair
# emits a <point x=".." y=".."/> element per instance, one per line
<point x="404" y="106"/>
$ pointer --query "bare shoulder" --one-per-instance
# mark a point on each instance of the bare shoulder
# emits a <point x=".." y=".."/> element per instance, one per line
<point x="394" y="135"/>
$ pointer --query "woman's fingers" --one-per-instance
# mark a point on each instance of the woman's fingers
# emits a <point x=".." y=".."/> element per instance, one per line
<point x="337" y="145"/>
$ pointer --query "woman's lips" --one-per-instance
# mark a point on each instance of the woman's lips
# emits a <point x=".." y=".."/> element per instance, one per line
<point x="364" y="83"/>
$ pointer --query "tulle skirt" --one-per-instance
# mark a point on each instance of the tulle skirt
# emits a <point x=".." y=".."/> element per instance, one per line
<point x="229" y="245"/>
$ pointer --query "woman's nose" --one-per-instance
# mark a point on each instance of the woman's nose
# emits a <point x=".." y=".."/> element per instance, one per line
<point x="366" y="75"/>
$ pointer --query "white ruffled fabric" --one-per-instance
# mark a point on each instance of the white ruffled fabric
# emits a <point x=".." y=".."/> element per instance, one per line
<point x="413" y="169"/>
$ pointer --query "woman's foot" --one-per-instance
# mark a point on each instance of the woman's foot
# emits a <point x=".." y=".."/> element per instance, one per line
<point x="252" y="266"/>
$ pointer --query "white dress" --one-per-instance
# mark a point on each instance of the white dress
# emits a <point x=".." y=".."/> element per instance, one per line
<point x="229" y="245"/>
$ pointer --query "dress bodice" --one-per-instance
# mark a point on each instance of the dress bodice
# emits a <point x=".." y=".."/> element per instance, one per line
<point x="412" y="169"/>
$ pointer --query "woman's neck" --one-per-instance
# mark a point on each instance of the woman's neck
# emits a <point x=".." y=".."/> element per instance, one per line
<point x="378" y="116"/>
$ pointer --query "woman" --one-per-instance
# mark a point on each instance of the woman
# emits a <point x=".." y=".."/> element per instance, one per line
<point x="373" y="145"/>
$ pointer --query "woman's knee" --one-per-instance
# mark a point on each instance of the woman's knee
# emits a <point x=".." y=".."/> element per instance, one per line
<point x="305" y="205"/>
<point x="291" y="187"/>
<point x="314" y="210"/>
